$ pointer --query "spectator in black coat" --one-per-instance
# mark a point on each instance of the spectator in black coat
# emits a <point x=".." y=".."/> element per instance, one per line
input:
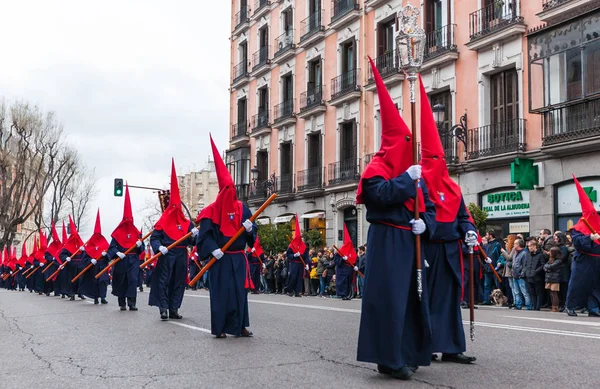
<point x="534" y="274"/>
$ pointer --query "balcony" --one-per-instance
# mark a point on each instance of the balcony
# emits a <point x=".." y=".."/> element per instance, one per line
<point x="241" y="21"/>
<point x="285" y="47"/>
<point x="240" y="74"/>
<point x="494" y="23"/>
<point x="343" y="12"/>
<point x="387" y="65"/>
<point x="345" y="88"/>
<point x="311" y="102"/>
<point x="346" y="172"/>
<point x="372" y="4"/>
<point x="262" y="190"/>
<point x="284" y="185"/>
<point x="283" y="114"/>
<point x="440" y="48"/>
<point x="239" y="134"/>
<point x="499" y="141"/>
<point x="572" y="129"/>
<point x="551" y="9"/>
<point x="261" y="63"/>
<point x="260" y="123"/>
<point x="261" y="7"/>
<point x="242" y="192"/>
<point x="310" y="180"/>
<point x="312" y="29"/>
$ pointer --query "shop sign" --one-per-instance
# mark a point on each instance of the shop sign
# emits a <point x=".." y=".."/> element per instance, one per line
<point x="518" y="228"/>
<point x="506" y="204"/>
<point x="568" y="200"/>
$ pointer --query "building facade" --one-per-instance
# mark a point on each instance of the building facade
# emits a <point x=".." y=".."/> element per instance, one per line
<point x="502" y="76"/>
<point x="199" y="189"/>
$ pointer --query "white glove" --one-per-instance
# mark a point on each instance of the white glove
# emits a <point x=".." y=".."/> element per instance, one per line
<point x="253" y="249"/>
<point x="163" y="250"/>
<point x="345" y="258"/>
<point x="264" y="266"/>
<point x="41" y="264"/>
<point x="355" y="268"/>
<point x="120" y="255"/>
<point x="31" y="267"/>
<point x="82" y="248"/>
<point x="195" y="231"/>
<point x="104" y="253"/>
<point x="418" y="226"/>
<point x="11" y="272"/>
<point x="94" y="261"/>
<point x="471" y="238"/>
<point x="196" y="255"/>
<point x="595" y="236"/>
<point x="488" y="260"/>
<point x="248" y="225"/>
<point x="139" y="243"/>
<point x="414" y="172"/>
<point x="217" y="253"/>
<point x="297" y="255"/>
<point x="306" y="267"/>
<point x="68" y="259"/>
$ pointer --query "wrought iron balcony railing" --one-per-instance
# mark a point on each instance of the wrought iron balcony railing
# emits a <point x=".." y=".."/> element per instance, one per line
<point x="498" y="138"/>
<point x="440" y="41"/>
<point x="311" y="98"/>
<point x="260" y="120"/>
<point x="344" y="172"/>
<point x="311" y="178"/>
<point x="493" y="17"/>
<point x="284" y="42"/>
<point x="242" y="191"/>
<point x="284" y="110"/>
<point x="240" y="70"/>
<point x="259" y="5"/>
<point x="238" y="130"/>
<point x="241" y="17"/>
<point x="340" y="8"/>
<point x="345" y="83"/>
<point x="311" y="25"/>
<point x="260" y="58"/>
<point x="547" y="4"/>
<point x="285" y="184"/>
<point x="573" y="122"/>
<point x="386" y="64"/>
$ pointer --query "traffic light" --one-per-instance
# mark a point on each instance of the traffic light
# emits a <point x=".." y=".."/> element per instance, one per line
<point x="118" y="187"/>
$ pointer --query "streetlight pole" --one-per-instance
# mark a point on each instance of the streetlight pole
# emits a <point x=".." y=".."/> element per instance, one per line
<point x="411" y="41"/>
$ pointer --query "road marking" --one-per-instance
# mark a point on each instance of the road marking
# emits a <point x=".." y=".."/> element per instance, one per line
<point x="321" y="308"/>
<point x="191" y="327"/>
<point x="537" y="330"/>
<point x="583" y="323"/>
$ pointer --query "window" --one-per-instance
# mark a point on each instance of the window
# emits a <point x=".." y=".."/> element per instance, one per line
<point x="315" y="224"/>
<point x="434" y="19"/>
<point x="445" y="99"/>
<point x="314" y="74"/>
<point x="504" y="96"/>
<point x="241" y="112"/>
<point x="287" y="87"/>
<point x="314" y="6"/>
<point x="314" y="150"/>
<point x="591" y="54"/>
<point x="262" y="164"/>
<point x="238" y="162"/>
<point x="287" y="20"/>
<point x="286" y="165"/>
<point x="263" y="99"/>
<point x="385" y="37"/>
<point x="348" y="57"/>
<point x="348" y="141"/>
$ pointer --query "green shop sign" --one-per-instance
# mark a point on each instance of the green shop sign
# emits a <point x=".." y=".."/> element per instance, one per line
<point x="509" y="204"/>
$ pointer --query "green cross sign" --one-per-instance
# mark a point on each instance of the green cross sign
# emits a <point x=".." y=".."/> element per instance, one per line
<point x="591" y="193"/>
<point x="524" y="174"/>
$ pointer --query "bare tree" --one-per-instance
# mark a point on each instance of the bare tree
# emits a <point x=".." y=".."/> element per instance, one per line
<point x="60" y="185"/>
<point x="31" y="155"/>
<point x="80" y="193"/>
<point x="152" y="212"/>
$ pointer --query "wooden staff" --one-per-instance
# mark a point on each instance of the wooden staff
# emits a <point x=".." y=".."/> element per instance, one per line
<point x="296" y="250"/>
<point x="471" y="294"/>
<point x="11" y="275"/>
<point x="117" y="259"/>
<point x="358" y="271"/>
<point x="88" y="267"/>
<point x="157" y="255"/>
<point x="27" y="271"/>
<point x="33" y="272"/>
<point x="483" y="259"/>
<point x="232" y="240"/>
<point x="588" y="225"/>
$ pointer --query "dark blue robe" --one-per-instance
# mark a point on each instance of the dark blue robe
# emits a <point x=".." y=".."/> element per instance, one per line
<point x="126" y="272"/>
<point x="394" y="326"/>
<point x="30" y="282"/>
<point x="344" y="275"/>
<point x="194" y="269"/>
<point x="444" y="282"/>
<point x="21" y="281"/>
<point x="39" y="279"/>
<point x="255" y="269"/>
<point x="90" y="286"/>
<point x="69" y="272"/>
<point x="295" y="278"/>
<point x="227" y="277"/>
<point x="52" y="265"/>
<point x="169" y="276"/>
<point x="584" y="284"/>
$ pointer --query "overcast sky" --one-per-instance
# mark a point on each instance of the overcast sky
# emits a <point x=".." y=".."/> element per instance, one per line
<point x="133" y="81"/>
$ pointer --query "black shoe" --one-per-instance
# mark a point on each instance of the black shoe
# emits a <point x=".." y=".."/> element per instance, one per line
<point x="173" y="314"/>
<point x="570" y="312"/>
<point x="81" y="297"/>
<point x="404" y="373"/>
<point x="48" y="294"/>
<point x="163" y="314"/>
<point x="141" y="289"/>
<point x="593" y="314"/>
<point x="246" y="333"/>
<point x="133" y="308"/>
<point x="96" y="301"/>
<point x="458" y="358"/>
<point x="62" y="296"/>
<point x="123" y="308"/>
<point x="72" y="298"/>
<point x="384" y="369"/>
<point x="103" y="301"/>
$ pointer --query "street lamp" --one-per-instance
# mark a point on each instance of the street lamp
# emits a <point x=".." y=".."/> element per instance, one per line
<point x="439" y="113"/>
<point x="254" y="173"/>
<point x="458" y="130"/>
<point x="411" y="41"/>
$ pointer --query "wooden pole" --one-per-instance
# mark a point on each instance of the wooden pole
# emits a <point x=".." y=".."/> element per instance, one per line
<point x="483" y="259"/>
<point x="471" y="294"/>
<point x="33" y="272"/>
<point x="232" y="240"/>
<point x="358" y="271"/>
<point x="157" y="255"/>
<point x="117" y="259"/>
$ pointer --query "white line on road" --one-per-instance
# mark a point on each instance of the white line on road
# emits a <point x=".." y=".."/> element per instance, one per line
<point x="538" y="330"/>
<point x="322" y="308"/>
<point x="190" y="327"/>
<point x="583" y="323"/>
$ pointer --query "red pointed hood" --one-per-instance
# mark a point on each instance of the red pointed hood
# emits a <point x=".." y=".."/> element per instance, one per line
<point x="173" y="222"/>
<point x="97" y="243"/>
<point x="395" y="154"/>
<point x="298" y="244"/>
<point x="226" y="211"/>
<point x="64" y="232"/>
<point x="8" y="260"/>
<point x="24" y="256"/>
<point x="258" y="251"/>
<point x="443" y="191"/>
<point x="74" y="242"/>
<point x="587" y="211"/>
<point x="56" y="245"/>
<point x="347" y="248"/>
<point x="126" y="234"/>
<point x="41" y="249"/>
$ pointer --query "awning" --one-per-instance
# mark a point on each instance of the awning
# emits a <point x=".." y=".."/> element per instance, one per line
<point x="263" y="220"/>
<point x="313" y="215"/>
<point x="283" y="219"/>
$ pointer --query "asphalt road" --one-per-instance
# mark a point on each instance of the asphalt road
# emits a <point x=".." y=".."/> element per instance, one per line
<point x="48" y="342"/>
